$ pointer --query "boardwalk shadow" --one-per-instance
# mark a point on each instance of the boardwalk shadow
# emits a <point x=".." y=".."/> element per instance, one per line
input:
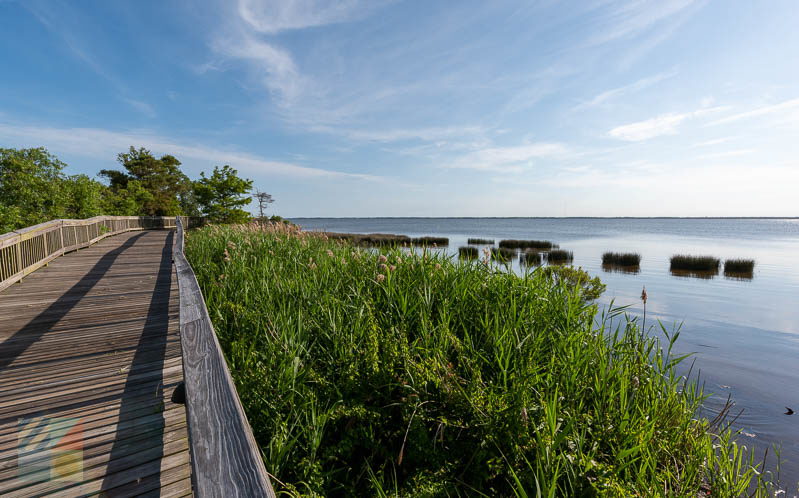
<point x="141" y="413"/>
<point x="28" y="335"/>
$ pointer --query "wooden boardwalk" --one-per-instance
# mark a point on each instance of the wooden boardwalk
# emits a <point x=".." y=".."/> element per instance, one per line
<point x="90" y="355"/>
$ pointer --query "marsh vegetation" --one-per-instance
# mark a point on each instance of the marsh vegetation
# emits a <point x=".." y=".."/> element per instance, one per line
<point x="480" y="242"/>
<point x="530" y="258"/>
<point x="559" y="257"/>
<point x="543" y="245"/>
<point x="502" y="254"/>
<point x="467" y="252"/>
<point x="383" y="373"/>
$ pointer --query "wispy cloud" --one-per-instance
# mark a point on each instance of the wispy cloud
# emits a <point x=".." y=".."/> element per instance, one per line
<point x="274" y="16"/>
<point x="142" y="107"/>
<point x="511" y="158"/>
<point x="665" y="124"/>
<point x="105" y="144"/>
<point x="626" y="19"/>
<point x="609" y="95"/>
<point x="788" y="105"/>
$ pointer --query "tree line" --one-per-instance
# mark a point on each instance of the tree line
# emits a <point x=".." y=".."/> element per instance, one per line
<point x="34" y="188"/>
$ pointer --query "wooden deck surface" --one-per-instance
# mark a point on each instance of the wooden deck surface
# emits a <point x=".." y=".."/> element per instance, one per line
<point x="89" y="358"/>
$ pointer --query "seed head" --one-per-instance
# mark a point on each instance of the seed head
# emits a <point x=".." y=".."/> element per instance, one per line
<point x="382" y="258"/>
<point x="380" y="277"/>
<point x="643" y="295"/>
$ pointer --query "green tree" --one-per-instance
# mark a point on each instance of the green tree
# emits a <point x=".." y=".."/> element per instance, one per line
<point x="32" y="188"/>
<point x="222" y="195"/>
<point x="162" y="178"/>
<point x="84" y="197"/>
<point x="127" y="201"/>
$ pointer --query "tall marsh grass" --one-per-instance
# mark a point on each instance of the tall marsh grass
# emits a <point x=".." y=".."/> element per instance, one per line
<point x="395" y="374"/>
<point x="694" y="263"/>
<point x="739" y="266"/>
<point x="530" y="258"/>
<point x="559" y="257"/>
<point x="430" y="241"/>
<point x="467" y="252"/>
<point x="621" y="259"/>
<point x="502" y="254"/>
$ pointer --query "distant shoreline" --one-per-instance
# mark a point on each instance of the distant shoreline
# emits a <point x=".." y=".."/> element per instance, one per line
<point x="543" y="217"/>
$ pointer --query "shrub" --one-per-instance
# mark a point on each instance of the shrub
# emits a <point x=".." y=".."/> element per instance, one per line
<point x="527" y="244"/>
<point x="468" y="252"/>
<point x="480" y="241"/>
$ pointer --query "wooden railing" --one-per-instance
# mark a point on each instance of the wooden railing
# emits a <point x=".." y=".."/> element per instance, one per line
<point x="28" y="249"/>
<point x="225" y="458"/>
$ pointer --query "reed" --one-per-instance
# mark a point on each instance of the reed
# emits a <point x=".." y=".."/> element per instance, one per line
<point x="480" y="242"/>
<point x="530" y="258"/>
<point x="559" y="257"/>
<point x="683" y="262"/>
<point x="543" y="245"/>
<point x="621" y="259"/>
<point x="368" y="373"/>
<point x="502" y="254"/>
<point x="468" y="252"/>
<point x="430" y="241"/>
<point x="739" y="266"/>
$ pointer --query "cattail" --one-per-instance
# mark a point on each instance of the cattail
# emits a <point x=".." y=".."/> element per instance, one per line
<point x="643" y="295"/>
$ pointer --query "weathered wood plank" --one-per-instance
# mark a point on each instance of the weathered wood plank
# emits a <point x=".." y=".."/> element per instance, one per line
<point x="226" y="461"/>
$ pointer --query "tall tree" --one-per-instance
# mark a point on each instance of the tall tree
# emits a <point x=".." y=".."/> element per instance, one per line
<point x="31" y="188"/>
<point x="222" y="195"/>
<point x="161" y="178"/>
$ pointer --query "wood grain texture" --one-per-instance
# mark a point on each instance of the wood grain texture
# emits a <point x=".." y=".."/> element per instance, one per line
<point x="95" y="337"/>
<point x="226" y="461"/>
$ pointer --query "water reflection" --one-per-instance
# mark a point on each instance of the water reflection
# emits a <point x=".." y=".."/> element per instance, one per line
<point x="703" y="274"/>
<point x="739" y="275"/>
<point x="613" y="268"/>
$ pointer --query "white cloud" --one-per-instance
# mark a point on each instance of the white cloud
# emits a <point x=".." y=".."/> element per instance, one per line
<point x="274" y="16"/>
<point x="142" y="107"/>
<point x="665" y="124"/>
<point x="633" y="18"/>
<point x="615" y="93"/>
<point x="431" y="134"/>
<point x="761" y="111"/>
<point x="512" y="158"/>
<point x="105" y="144"/>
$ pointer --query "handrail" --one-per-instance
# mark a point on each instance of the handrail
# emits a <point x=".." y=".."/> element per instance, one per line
<point x="28" y="249"/>
<point x="225" y="458"/>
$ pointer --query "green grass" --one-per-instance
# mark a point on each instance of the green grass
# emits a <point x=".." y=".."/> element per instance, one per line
<point x="468" y="252"/>
<point x="559" y="257"/>
<point x="621" y="259"/>
<point x="530" y="258"/>
<point x="480" y="242"/>
<point x="683" y="262"/>
<point x="395" y="374"/>
<point x="739" y="266"/>
<point x="430" y="241"/>
<point x="543" y="245"/>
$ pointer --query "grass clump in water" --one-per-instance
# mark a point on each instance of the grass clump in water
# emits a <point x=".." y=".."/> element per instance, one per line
<point x="739" y="266"/>
<point x="530" y="258"/>
<point x="480" y="242"/>
<point x="396" y="374"/>
<point x="621" y="259"/>
<point x="468" y="252"/>
<point x="543" y="245"/>
<point x="694" y="263"/>
<point x="371" y="239"/>
<point x="430" y="241"/>
<point x="559" y="257"/>
<point x="502" y="254"/>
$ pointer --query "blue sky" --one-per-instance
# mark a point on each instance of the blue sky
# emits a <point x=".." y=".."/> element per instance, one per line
<point x="403" y="108"/>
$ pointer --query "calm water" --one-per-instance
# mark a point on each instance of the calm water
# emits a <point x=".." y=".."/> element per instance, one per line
<point x="744" y="333"/>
